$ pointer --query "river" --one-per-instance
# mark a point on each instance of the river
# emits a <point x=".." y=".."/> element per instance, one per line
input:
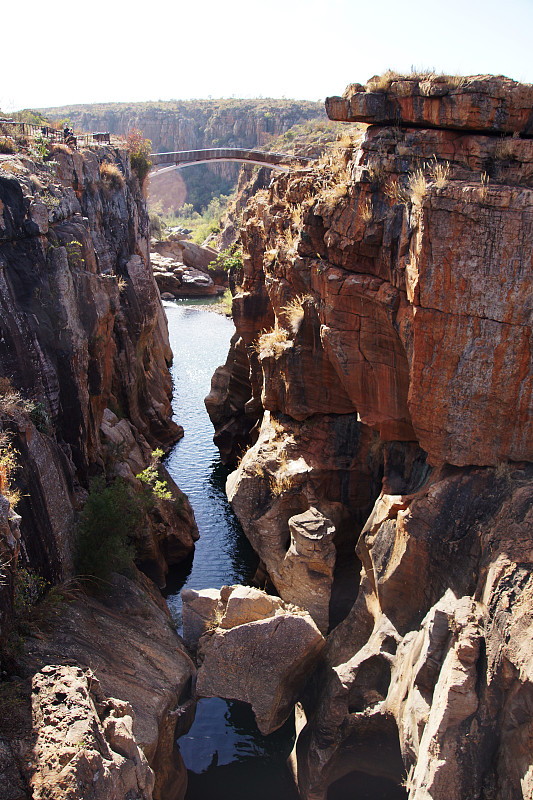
<point x="225" y="755"/>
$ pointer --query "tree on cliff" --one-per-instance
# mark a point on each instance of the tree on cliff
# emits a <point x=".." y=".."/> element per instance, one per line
<point x="140" y="149"/>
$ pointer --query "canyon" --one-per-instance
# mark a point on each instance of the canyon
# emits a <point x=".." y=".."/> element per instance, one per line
<point x="195" y="125"/>
<point x="375" y="407"/>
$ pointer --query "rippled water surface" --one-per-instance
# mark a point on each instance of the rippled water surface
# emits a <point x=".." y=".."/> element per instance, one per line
<point x="225" y="754"/>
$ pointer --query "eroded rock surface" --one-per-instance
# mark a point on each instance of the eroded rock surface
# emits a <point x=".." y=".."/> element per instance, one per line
<point x="85" y="742"/>
<point x="477" y="103"/>
<point x="84" y="335"/>
<point x="85" y="390"/>
<point x="128" y="641"/>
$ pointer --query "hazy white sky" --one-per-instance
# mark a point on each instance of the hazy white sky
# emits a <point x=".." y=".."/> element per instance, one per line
<point x="103" y="50"/>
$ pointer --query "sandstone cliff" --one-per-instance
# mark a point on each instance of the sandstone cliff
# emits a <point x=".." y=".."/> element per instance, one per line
<point x="84" y="344"/>
<point x="194" y="124"/>
<point x="381" y="370"/>
<point x="85" y="390"/>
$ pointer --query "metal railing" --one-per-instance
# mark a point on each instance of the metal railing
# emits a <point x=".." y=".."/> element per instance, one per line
<point x="12" y="127"/>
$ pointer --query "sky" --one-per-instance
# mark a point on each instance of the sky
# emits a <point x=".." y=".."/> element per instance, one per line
<point x="108" y="51"/>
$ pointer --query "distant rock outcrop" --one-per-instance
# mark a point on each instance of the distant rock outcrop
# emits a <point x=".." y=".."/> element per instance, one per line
<point x="195" y="125"/>
<point x="185" y="269"/>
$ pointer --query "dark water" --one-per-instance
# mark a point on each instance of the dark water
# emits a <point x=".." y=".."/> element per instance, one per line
<point x="225" y="754"/>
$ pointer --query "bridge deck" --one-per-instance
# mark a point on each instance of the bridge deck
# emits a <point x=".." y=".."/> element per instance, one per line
<point x="165" y="161"/>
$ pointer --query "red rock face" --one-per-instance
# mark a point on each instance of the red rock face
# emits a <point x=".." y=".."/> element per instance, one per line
<point x="479" y="103"/>
<point x="417" y="311"/>
<point x="392" y="287"/>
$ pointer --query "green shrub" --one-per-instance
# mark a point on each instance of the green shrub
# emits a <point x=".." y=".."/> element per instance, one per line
<point x="29" y="589"/>
<point x="140" y="149"/>
<point x="150" y="477"/>
<point x="41" y="418"/>
<point x="41" y="149"/>
<point x="229" y="259"/>
<point x="109" y="521"/>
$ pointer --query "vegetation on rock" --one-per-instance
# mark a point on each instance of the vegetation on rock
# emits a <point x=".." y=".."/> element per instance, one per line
<point x="108" y="523"/>
<point x="140" y="149"/>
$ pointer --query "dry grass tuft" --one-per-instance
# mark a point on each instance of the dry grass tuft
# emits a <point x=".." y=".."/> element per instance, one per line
<point x="281" y="481"/>
<point x="272" y="342"/>
<point x="396" y="192"/>
<point x="294" y="310"/>
<point x="12" y="404"/>
<point x="417" y="185"/>
<point x="484" y="191"/>
<point x="7" y="145"/>
<point x="366" y="210"/>
<point x="277" y="426"/>
<point x="439" y="173"/>
<point x="111" y="176"/>
<point x="380" y="83"/>
<point x="297" y="214"/>
<point x="504" y="149"/>
<point x="60" y="148"/>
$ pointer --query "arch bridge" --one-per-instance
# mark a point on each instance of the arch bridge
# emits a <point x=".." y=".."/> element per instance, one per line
<point x="164" y="162"/>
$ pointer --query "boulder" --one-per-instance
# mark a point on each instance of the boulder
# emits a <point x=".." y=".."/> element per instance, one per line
<point x="252" y="647"/>
<point x="265" y="663"/>
<point x="179" y="280"/>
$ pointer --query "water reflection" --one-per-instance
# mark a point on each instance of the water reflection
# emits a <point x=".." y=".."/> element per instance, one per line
<point x="232" y="759"/>
<point x="225" y="754"/>
<point x="200" y="342"/>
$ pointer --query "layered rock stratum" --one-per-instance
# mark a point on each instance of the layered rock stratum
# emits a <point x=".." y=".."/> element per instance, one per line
<point x="381" y="373"/>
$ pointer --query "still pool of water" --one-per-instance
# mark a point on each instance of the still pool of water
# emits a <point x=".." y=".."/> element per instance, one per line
<point x="225" y="755"/>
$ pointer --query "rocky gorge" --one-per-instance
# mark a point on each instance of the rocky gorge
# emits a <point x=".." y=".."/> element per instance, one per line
<point x="195" y="125"/>
<point x="376" y="407"/>
<point x="378" y="396"/>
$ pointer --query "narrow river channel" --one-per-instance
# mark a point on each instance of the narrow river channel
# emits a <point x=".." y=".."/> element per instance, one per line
<point x="225" y="755"/>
